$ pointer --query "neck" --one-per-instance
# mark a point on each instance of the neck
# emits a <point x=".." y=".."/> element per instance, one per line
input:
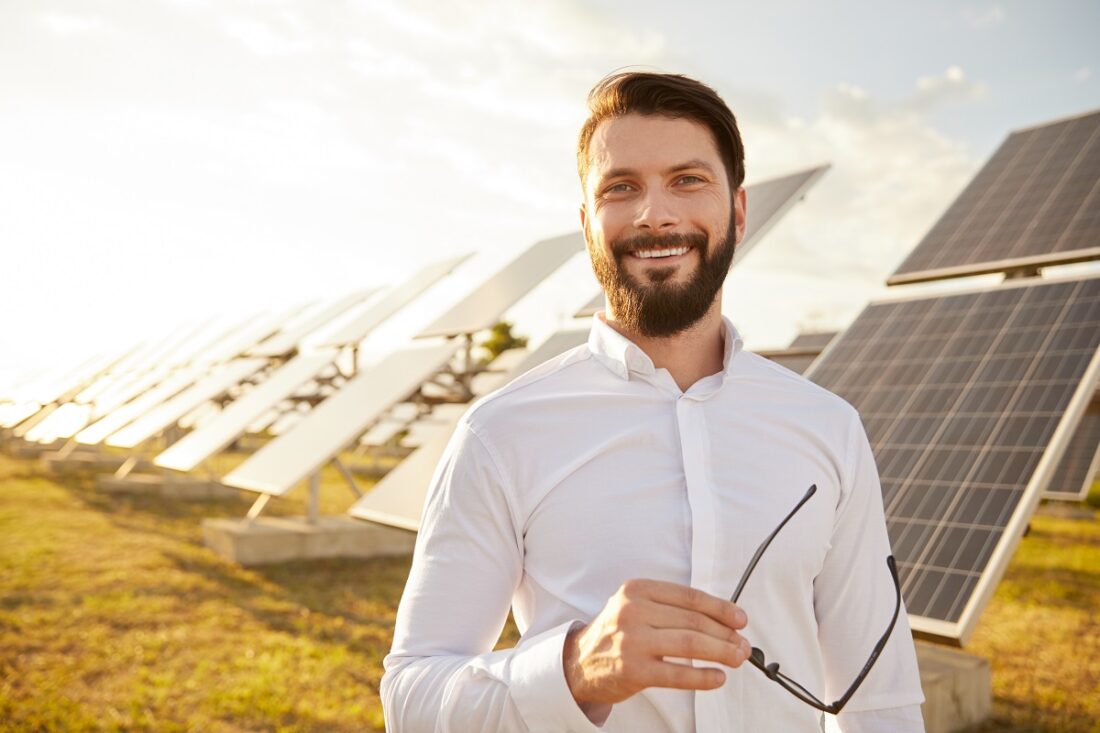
<point x="689" y="355"/>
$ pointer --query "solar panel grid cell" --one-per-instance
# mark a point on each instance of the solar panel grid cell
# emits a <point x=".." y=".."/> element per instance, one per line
<point x="960" y="396"/>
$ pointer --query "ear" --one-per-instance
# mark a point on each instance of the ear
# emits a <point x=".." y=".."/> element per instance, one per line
<point x="740" y="205"/>
<point x="583" y="211"/>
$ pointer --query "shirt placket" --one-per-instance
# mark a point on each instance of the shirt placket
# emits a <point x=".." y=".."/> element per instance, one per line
<point x="690" y="419"/>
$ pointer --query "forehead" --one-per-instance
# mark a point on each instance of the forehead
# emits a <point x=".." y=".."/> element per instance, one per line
<point x="650" y="143"/>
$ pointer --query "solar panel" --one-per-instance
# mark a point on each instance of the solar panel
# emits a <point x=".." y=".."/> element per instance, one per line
<point x="1080" y="465"/>
<point x="480" y="309"/>
<point x="968" y="400"/>
<point x="1036" y="202"/>
<point x="801" y="353"/>
<point x="375" y="313"/>
<point x="119" y="418"/>
<point x="166" y="414"/>
<point x="767" y="202"/>
<point x="288" y="339"/>
<point x="398" y="499"/>
<point x="337" y="421"/>
<point x="192" y="449"/>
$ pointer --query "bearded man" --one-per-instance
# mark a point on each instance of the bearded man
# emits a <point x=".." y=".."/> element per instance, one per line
<point x="621" y="496"/>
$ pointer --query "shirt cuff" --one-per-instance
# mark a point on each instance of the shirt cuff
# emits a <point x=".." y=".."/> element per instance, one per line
<point x="536" y="682"/>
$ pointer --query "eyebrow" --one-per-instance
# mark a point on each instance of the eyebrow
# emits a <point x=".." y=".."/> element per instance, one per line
<point x="686" y="165"/>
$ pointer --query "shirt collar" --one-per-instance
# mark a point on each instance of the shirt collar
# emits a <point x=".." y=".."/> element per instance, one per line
<point x="624" y="357"/>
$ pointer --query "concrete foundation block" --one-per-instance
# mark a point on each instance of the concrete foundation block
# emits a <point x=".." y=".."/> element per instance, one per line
<point x="86" y="460"/>
<point x="958" y="688"/>
<point x="181" y="488"/>
<point x="19" y="448"/>
<point x="279" y="539"/>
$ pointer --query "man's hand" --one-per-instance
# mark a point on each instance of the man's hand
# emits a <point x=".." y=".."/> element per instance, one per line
<point x="622" y="651"/>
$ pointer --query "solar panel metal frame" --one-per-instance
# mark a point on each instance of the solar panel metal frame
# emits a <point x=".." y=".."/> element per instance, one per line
<point x="1080" y="469"/>
<point x="997" y="170"/>
<point x="959" y="632"/>
<point x="792" y="187"/>
<point x="482" y="308"/>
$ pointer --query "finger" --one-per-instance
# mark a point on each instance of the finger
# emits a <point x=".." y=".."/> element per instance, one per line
<point x="683" y="596"/>
<point x="695" y="645"/>
<point x="684" y="676"/>
<point x="661" y="616"/>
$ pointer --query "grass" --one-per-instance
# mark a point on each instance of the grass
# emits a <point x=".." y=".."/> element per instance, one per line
<point x="114" y="616"/>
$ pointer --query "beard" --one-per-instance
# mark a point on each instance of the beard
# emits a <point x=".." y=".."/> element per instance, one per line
<point x="659" y="308"/>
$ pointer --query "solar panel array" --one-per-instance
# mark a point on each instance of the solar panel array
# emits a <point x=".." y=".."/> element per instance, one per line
<point x="1081" y="463"/>
<point x="961" y="396"/>
<point x="1035" y="202"/>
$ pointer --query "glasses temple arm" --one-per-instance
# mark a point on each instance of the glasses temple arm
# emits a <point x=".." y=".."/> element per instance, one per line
<point x="839" y="704"/>
<point x="764" y="545"/>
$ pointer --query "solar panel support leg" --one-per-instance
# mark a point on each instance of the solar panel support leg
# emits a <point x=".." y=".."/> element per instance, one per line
<point x="312" y="508"/>
<point x="67" y="449"/>
<point x="127" y="465"/>
<point x="348" y="476"/>
<point x="257" y="507"/>
<point x="467" y="375"/>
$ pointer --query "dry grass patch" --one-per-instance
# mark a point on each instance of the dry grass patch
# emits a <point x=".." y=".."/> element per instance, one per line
<point x="114" y="616"/>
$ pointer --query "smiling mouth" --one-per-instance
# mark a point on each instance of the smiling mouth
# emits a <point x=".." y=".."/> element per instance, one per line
<point x="660" y="254"/>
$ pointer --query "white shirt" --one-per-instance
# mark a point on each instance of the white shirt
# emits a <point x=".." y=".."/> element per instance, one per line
<point x="595" y="468"/>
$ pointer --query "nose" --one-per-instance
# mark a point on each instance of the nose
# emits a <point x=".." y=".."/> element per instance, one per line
<point x="656" y="212"/>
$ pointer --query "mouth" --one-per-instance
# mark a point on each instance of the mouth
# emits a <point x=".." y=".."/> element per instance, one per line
<point x="663" y="255"/>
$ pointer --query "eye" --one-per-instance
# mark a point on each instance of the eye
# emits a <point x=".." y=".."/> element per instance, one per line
<point x="691" y="179"/>
<point x="618" y="188"/>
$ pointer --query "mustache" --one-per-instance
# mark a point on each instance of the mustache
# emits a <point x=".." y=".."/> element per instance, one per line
<point x="629" y="245"/>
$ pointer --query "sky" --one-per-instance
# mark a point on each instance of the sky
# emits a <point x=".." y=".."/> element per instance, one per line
<point x="167" y="161"/>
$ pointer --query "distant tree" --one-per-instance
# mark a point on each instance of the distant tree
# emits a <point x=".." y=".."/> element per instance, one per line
<point x="500" y="339"/>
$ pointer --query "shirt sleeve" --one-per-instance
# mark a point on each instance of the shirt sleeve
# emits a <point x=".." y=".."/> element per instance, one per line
<point x="441" y="674"/>
<point x="854" y="598"/>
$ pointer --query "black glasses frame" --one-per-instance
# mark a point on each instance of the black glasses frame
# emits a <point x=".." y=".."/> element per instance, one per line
<point x="771" y="670"/>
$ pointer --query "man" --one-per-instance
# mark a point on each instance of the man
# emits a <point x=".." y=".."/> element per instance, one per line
<point x="615" y="495"/>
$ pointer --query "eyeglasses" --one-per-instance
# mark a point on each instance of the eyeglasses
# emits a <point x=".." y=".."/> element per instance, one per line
<point x="771" y="670"/>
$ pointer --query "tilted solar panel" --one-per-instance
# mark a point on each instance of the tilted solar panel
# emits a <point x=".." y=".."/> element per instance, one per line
<point x="1035" y="202"/>
<point x="968" y="400"/>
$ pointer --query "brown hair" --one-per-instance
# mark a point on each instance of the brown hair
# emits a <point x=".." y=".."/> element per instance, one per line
<point x="664" y="95"/>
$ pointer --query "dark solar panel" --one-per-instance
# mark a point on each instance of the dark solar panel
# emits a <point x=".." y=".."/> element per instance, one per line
<point x="810" y="341"/>
<point x="1036" y="202"/>
<point x="1080" y="464"/>
<point x="961" y="396"/>
<point x="802" y="352"/>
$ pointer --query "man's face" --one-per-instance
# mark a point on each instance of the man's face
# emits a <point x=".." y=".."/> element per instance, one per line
<point x="660" y="221"/>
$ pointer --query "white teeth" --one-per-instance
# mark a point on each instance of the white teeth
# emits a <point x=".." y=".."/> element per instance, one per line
<point x="649" y="254"/>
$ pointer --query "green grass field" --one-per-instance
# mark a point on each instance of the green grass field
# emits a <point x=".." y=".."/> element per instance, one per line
<point x="114" y="616"/>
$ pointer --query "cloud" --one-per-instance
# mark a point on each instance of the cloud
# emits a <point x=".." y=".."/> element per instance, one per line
<point x="67" y="24"/>
<point x="893" y="174"/>
<point x="952" y="85"/>
<point x="280" y="36"/>
<point x="984" y="17"/>
<point x="1083" y="74"/>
